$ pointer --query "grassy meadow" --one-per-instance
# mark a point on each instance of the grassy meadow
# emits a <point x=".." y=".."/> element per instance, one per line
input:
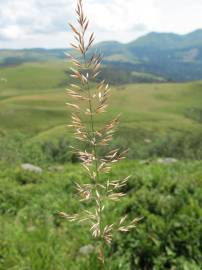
<point x="157" y="121"/>
<point x="37" y="92"/>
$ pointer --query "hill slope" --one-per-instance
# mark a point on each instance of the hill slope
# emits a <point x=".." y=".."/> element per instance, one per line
<point x="37" y="89"/>
<point x="176" y="57"/>
<point x="155" y="117"/>
<point x="171" y="56"/>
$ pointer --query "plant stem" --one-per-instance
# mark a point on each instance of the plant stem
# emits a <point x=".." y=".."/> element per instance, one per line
<point x="94" y="149"/>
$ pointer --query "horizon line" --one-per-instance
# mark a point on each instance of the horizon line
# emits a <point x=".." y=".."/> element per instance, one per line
<point x="69" y="48"/>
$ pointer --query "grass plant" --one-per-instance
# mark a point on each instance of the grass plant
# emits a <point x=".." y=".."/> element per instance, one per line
<point x="88" y="105"/>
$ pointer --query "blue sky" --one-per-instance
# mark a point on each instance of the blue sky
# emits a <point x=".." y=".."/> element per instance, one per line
<point x="44" y="23"/>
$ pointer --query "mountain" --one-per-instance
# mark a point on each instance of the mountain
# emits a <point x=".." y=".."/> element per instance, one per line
<point x="168" y="41"/>
<point x="175" y="57"/>
<point x="165" y="55"/>
<point x="15" y="57"/>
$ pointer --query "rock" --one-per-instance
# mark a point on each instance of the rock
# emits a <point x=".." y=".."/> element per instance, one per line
<point x="147" y="141"/>
<point x="167" y="160"/>
<point x="55" y="168"/>
<point x="86" y="250"/>
<point x="31" y="168"/>
<point x="145" y="162"/>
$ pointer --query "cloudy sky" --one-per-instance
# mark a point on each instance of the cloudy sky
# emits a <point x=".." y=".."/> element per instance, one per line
<point x="44" y="23"/>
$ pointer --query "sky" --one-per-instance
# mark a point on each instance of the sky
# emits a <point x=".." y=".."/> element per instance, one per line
<point x="44" y="23"/>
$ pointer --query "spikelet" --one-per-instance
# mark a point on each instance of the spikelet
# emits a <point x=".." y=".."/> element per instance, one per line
<point x="90" y="103"/>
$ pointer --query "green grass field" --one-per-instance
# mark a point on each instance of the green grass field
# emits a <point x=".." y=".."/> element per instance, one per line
<point x="32" y="102"/>
<point x="34" y="237"/>
<point x="157" y="120"/>
<point x="33" y="92"/>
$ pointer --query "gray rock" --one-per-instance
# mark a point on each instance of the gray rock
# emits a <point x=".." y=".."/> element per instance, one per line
<point x="147" y="141"/>
<point x="31" y="168"/>
<point x="167" y="160"/>
<point x="145" y="162"/>
<point x="55" y="168"/>
<point x="86" y="250"/>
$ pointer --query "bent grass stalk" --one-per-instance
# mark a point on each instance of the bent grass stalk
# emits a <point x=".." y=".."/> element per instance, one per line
<point x="90" y="103"/>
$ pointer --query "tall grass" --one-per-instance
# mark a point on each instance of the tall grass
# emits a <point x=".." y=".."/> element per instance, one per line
<point x="87" y="106"/>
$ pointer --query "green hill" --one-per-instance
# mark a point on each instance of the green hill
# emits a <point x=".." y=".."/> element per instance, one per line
<point x="166" y="41"/>
<point x="171" y="56"/>
<point x="40" y="87"/>
<point x="167" y="115"/>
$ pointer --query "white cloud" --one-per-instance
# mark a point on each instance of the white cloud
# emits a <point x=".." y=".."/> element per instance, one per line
<point x="179" y="16"/>
<point x="44" y="23"/>
<point x="11" y="32"/>
<point x="120" y="15"/>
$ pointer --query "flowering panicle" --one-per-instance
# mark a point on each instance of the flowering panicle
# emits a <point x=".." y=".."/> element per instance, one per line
<point x="87" y="104"/>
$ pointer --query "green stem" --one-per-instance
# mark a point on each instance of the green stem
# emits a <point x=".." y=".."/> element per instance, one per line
<point x="93" y="139"/>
